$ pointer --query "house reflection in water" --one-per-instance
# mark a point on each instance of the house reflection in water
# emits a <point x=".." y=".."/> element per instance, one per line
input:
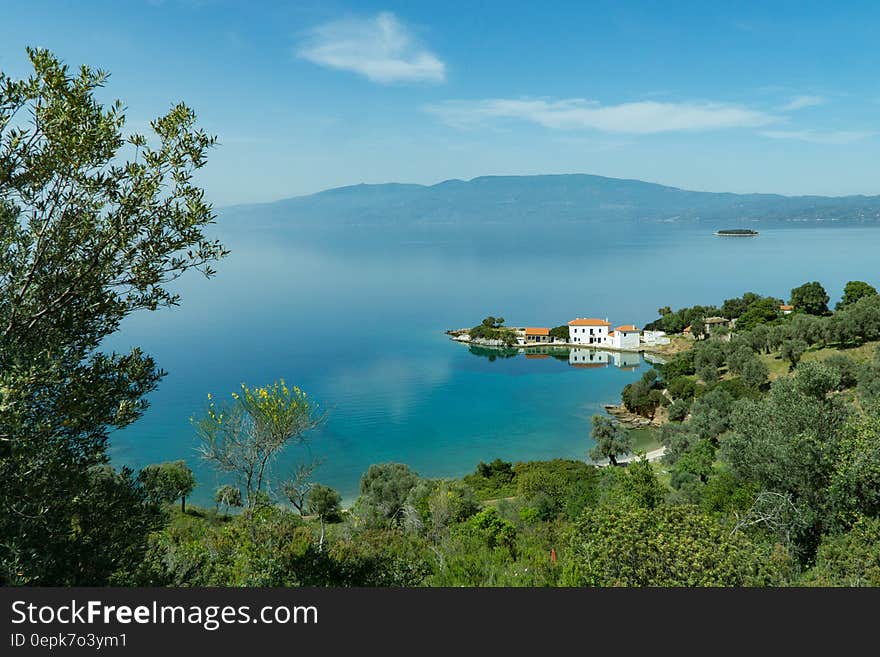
<point x="586" y="358"/>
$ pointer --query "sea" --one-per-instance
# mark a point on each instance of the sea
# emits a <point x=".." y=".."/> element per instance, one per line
<point x="356" y="316"/>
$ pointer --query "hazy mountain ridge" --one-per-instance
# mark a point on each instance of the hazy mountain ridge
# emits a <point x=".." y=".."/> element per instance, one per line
<point x="553" y="200"/>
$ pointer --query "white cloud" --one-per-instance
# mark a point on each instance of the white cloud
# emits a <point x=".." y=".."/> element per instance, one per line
<point x="802" y="101"/>
<point x="380" y="48"/>
<point x="819" y="137"/>
<point x="643" y="117"/>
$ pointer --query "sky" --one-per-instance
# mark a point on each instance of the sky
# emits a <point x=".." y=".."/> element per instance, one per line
<point x="743" y="97"/>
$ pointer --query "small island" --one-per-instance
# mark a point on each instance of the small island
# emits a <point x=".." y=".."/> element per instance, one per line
<point x="737" y="232"/>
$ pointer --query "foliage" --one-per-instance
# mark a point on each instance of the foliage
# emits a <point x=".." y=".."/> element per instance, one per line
<point x="847" y="369"/>
<point x="848" y="559"/>
<point x="788" y="442"/>
<point x="492" y="328"/>
<point x="810" y="298"/>
<point x="734" y="308"/>
<point x="681" y="365"/>
<point x="854" y="291"/>
<point x="560" y="486"/>
<point x="560" y="332"/>
<point x="675" y="322"/>
<point x="643" y="396"/>
<point x="492" y="480"/>
<point x="168" y="481"/>
<point x="245" y="436"/>
<point x="227" y="496"/>
<point x="761" y="311"/>
<point x="435" y="505"/>
<point x="754" y="372"/>
<point x="682" y="387"/>
<point x="86" y="238"/>
<point x="663" y="546"/>
<point x="297" y="488"/>
<point x="679" y="410"/>
<point x="611" y="440"/>
<point x="384" y="490"/>
<point x="792" y="350"/>
<point x="324" y="502"/>
<point x="636" y="485"/>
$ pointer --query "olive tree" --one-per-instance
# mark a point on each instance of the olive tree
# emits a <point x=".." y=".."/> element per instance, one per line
<point x="610" y="439"/>
<point x="93" y="226"/>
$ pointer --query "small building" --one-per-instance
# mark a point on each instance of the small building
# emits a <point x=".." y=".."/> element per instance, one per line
<point x="624" y="337"/>
<point x="713" y="323"/>
<point x="654" y="337"/>
<point x="786" y="309"/>
<point x="588" y="330"/>
<point x="534" y="335"/>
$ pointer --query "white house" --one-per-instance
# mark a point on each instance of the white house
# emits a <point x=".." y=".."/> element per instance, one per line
<point x="624" y="337"/>
<point x="588" y="330"/>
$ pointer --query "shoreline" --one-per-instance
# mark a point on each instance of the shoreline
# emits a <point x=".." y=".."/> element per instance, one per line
<point x="655" y="350"/>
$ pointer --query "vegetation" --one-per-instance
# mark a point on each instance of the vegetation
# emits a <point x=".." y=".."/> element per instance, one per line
<point x="492" y="328"/>
<point x="245" y="436"/>
<point x="810" y="298"/>
<point x="560" y="332"/>
<point x="93" y="226"/>
<point x="611" y="440"/>
<point x="167" y="482"/>
<point x="770" y="475"/>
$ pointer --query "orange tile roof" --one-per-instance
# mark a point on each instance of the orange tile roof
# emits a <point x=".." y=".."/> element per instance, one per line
<point x="588" y="321"/>
<point x="537" y="331"/>
<point x="786" y="307"/>
<point x="627" y="327"/>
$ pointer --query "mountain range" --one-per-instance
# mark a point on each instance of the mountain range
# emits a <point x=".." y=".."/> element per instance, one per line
<point x="556" y="200"/>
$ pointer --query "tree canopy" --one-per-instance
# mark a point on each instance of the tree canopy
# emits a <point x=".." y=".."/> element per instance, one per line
<point x="94" y="225"/>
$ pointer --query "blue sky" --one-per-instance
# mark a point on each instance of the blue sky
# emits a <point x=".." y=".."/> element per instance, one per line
<point x="771" y="97"/>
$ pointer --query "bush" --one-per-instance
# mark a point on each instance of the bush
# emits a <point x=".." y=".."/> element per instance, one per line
<point x="665" y="546"/>
<point x="679" y="410"/>
<point x="560" y="486"/>
<point x="492" y="480"/>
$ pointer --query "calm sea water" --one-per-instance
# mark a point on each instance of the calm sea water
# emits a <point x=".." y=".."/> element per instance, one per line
<point x="356" y="319"/>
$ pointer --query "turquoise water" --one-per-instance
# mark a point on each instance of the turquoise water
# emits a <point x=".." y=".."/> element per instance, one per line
<point x="356" y="319"/>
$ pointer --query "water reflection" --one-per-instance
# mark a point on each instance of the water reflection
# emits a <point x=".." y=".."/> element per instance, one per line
<point x="582" y="358"/>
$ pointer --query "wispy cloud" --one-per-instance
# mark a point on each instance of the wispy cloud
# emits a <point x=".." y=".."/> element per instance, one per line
<point x="381" y="49"/>
<point x="643" y="117"/>
<point x="820" y="137"/>
<point x="802" y="101"/>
